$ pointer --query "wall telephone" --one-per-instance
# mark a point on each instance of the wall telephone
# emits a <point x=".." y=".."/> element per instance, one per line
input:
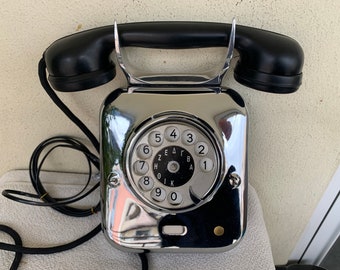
<point x="173" y="147"/>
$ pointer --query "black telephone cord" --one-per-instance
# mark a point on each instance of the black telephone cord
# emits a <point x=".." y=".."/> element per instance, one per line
<point x="18" y="248"/>
<point x="18" y="243"/>
<point x="62" y="106"/>
<point x="35" y="167"/>
<point x="59" y="204"/>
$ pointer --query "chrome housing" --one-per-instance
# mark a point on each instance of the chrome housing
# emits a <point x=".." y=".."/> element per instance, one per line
<point x="217" y="222"/>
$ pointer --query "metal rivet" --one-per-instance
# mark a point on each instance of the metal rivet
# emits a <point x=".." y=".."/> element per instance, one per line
<point x="218" y="230"/>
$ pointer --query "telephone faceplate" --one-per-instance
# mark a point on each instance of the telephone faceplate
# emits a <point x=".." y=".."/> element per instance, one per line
<point x="207" y="209"/>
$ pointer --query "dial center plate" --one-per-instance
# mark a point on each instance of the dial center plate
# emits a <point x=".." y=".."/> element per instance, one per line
<point x="173" y="166"/>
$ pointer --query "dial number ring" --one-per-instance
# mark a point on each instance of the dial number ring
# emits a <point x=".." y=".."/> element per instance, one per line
<point x="183" y="164"/>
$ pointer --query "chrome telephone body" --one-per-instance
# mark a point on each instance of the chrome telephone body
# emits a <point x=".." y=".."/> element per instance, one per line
<point x="151" y="197"/>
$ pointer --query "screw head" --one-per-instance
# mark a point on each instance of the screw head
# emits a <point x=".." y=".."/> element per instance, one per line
<point x="234" y="180"/>
<point x="113" y="179"/>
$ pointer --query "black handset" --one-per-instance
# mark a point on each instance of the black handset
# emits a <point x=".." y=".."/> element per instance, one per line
<point x="174" y="147"/>
<point x="268" y="61"/>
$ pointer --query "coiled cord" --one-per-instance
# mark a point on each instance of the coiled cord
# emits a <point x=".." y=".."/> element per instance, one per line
<point x="42" y="197"/>
<point x="59" y="204"/>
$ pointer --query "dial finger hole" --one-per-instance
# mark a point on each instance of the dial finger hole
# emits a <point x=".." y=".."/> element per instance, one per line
<point x="201" y="149"/>
<point x="144" y="151"/>
<point x="206" y="164"/>
<point x="172" y="134"/>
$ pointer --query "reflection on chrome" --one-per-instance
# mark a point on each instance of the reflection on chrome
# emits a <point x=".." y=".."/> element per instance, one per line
<point x="234" y="129"/>
<point x="117" y="125"/>
<point x="129" y="221"/>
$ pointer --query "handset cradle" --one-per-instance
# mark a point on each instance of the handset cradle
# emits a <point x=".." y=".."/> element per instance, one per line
<point x="176" y="79"/>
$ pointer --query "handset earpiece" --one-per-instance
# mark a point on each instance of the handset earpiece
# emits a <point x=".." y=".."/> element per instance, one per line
<point x="268" y="61"/>
<point x="81" y="61"/>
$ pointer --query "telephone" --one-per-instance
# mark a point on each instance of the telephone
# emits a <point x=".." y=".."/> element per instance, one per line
<point x="174" y="146"/>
